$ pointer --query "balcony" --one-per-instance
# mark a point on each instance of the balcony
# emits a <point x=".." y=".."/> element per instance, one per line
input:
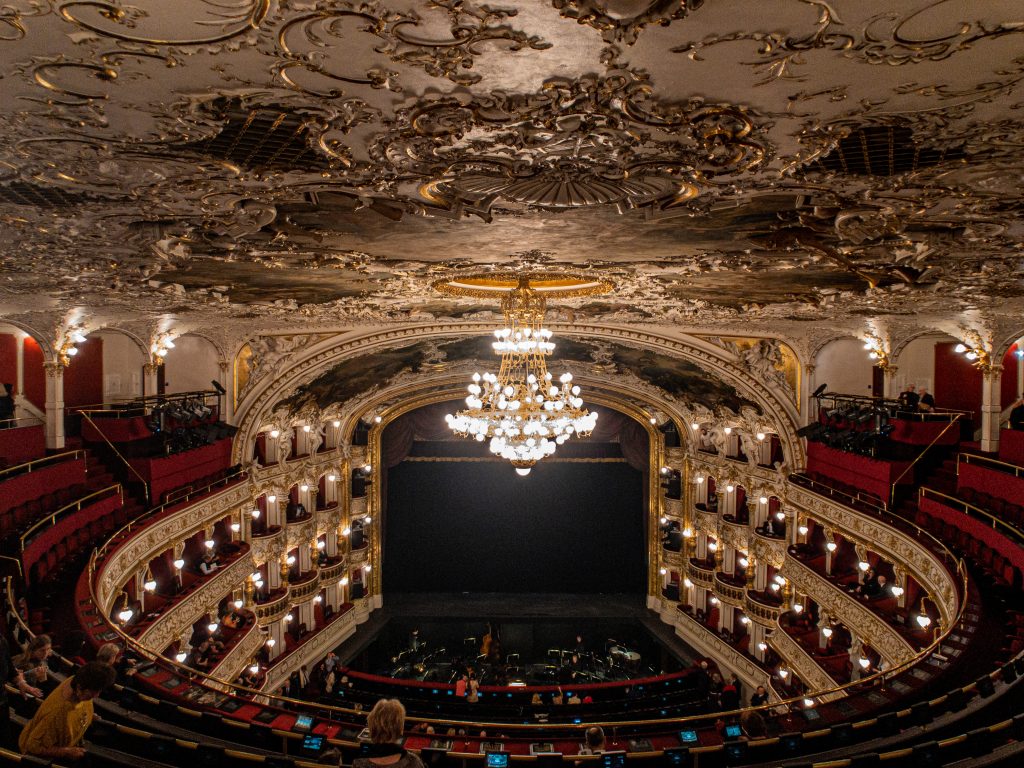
<point x="728" y="590"/>
<point x="701" y="573"/>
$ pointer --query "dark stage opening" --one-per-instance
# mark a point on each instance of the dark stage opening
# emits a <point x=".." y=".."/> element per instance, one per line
<point x="477" y="526"/>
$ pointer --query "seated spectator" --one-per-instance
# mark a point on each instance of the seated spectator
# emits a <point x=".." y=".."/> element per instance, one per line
<point x="60" y="723"/>
<point x="925" y="401"/>
<point x="754" y="725"/>
<point x="594" y="741"/>
<point x="32" y="663"/>
<point x="760" y="697"/>
<point x="1017" y="415"/>
<point x="908" y="398"/>
<point x="209" y="563"/>
<point x="232" y="619"/>
<point x="386" y="723"/>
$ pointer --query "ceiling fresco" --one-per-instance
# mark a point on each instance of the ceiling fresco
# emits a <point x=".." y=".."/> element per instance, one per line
<point x="246" y="166"/>
<point x="679" y="379"/>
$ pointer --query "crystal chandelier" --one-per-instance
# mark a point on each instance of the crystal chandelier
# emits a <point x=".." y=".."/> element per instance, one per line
<point x="522" y="411"/>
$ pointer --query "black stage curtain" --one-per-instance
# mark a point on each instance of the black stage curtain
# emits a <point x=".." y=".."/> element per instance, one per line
<point x="460" y="526"/>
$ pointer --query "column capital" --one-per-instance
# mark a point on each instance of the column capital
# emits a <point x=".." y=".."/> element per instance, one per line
<point x="54" y="370"/>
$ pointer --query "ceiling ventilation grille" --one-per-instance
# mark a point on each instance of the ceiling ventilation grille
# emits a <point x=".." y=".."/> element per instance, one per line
<point x="263" y="139"/>
<point x="39" y="196"/>
<point x="883" y="151"/>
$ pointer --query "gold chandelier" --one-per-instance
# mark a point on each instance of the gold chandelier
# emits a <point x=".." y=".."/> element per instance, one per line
<point x="522" y="411"/>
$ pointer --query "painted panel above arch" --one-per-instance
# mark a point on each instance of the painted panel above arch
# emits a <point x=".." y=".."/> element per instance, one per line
<point x="677" y="378"/>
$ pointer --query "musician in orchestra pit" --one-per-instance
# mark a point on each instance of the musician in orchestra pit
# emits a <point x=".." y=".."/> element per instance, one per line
<point x="460" y="686"/>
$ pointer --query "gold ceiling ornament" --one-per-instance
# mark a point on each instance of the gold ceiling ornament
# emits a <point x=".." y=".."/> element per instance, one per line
<point x="522" y="412"/>
<point x="70" y="336"/>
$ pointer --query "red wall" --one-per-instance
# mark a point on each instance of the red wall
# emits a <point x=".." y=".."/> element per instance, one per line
<point x="9" y="360"/>
<point x="35" y="376"/>
<point x="83" y="379"/>
<point x="1008" y="388"/>
<point x="957" y="382"/>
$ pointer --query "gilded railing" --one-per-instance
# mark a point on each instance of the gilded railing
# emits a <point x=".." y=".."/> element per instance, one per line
<point x="175" y="619"/>
<point x="807" y="669"/>
<point x="937" y="574"/>
<point x="730" y="594"/>
<point x="889" y="643"/>
<point x="700" y="575"/>
<point x="764" y="614"/>
<point x="273" y="610"/>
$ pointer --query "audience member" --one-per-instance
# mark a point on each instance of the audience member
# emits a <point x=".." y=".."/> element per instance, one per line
<point x="760" y="697"/>
<point x="386" y="723"/>
<point x="925" y="401"/>
<point x="32" y="663"/>
<point x="8" y="674"/>
<point x="60" y="723"/>
<point x="909" y="398"/>
<point x="594" y="741"/>
<point x="473" y="689"/>
<point x="7" y="407"/>
<point x="209" y="563"/>
<point x="1017" y="415"/>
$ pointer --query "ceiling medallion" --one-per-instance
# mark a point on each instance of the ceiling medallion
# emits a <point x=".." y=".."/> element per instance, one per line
<point x="521" y="410"/>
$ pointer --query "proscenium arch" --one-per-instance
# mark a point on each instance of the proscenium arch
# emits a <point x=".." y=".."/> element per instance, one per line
<point x="257" y="405"/>
<point x="627" y="408"/>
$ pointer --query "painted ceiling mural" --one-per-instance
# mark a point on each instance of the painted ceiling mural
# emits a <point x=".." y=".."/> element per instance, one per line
<point x="247" y="166"/>
<point x="679" y="379"/>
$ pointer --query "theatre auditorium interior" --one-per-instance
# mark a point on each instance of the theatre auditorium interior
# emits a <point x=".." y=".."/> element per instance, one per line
<point x="611" y="382"/>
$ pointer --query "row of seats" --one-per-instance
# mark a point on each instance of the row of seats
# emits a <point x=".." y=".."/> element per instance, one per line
<point x="1007" y="511"/>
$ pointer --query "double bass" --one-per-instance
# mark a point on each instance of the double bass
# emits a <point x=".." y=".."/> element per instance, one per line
<point x="490" y="648"/>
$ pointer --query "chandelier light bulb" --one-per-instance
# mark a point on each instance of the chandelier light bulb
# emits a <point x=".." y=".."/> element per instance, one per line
<point x="255" y="513"/>
<point x="522" y="471"/>
<point x="714" y="600"/>
<point x="336" y="423"/>
<point x="305" y="427"/>
<point x="346" y="531"/>
<point x="863" y="565"/>
<point x="321" y="544"/>
<point x="275" y="433"/>
<point x="803" y="530"/>
<point x="212" y="626"/>
<point x="271" y="642"/>
<point x="728" y="430"/>
<point x="712" y="546"/>
<point x="288" y="618"/>
<point x="780" y="516"/>
<point x="318" y="599"/>
<point x="303" y="487"/>
<point x="125" y="615"/>
<point x="663" y="520"/>
<point x="798" y="608"/>
<point x="290" y="560"/>
<point x="760" y="436"/>
<point x="783" y="673"/>
<point x="367" y="519"/>
<point x="150" y="585"/>
<point x="180" y="657"/>
<point x="367" y="567"/>
<point x="744" y="619"/>
<point x="730" y="488"/>
<point x="831" y="546"/>
<point x="72" y="351"/>
<point x="897" y="591"/>
<point x="762" y="646"/>
<point x="687" y="583"/>
<point x="254" y="669"/>
<point x="960" y="348"/>
<point x="924" y="621"/>
<point x="699" y="479"/>
<point x="378" y="419"/>
<point x="763" y="499"/>
<point x="210" y="543"/>
<point x="272" y="498"/>
<point x="744" y="562"/>
<point x="808" y="703"/>
<point x="695" y="426"/>
<point x="235" y="527"/>
<point x="331" y="478"/>
<point x="179" y="563"/>
<point x="343" y="581"/>
<point x="663" y="571"/>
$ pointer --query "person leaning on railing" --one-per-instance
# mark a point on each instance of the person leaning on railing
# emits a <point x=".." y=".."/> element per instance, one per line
<point x="60" y="723"/>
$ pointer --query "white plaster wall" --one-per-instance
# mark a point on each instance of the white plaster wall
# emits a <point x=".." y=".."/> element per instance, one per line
<point x="122" y="366"/>
<point x="191" y="365"/>
<point x="916" y="363"/>
<point x="844" y="365"/>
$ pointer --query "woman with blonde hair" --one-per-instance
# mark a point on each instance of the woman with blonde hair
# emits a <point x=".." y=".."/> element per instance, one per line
<point x="386" y="723"/>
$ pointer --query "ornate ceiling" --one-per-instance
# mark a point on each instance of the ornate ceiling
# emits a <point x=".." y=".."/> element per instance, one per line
<point x="796" y="168"/>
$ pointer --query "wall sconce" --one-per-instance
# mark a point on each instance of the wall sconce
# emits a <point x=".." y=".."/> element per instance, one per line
<point x="663" y="571"/>
<point x="331" y="478"/>
<point x="783" y="673"/>
<point x="728" y="430"/>
<point x="235" y="527"/>
<point x="150" y="585"/>
<point x="160" y="346"/>
<point x="255" y="514"/>
<point x="180" y="657"/>
<point x="760" y="436"/>
<point x="762" y="647"/>
<point x="367" y="568"/>
<point x="288" y="618"/>
<point x="687" y="583"/>
<point x="66" y="349"/>
<point x="367" y="519"/>
<point x="179" y="563"/>
<point x="864" y="662"/>
<point x="343" y="581"/>
<point x="272" y="499"/>
<point x="303" y="487"/>
<point x="321" y="544"/>
<point x="271" y="642"/>
<point x="976" y="353"/>
<point x="831" y="546"/>
<point x="827" y="632"/>
<point x="210" y="543"/>
<point x="336" y="424"/>
<point x="305" y="427"/>
<point x="126" y="613"/>
<point x="290" y="560"/>
<point x="730" y="488"/>
<point x="863" y="565"/>
<point x="877" y="350"/>
<point x="346" y="531"/>
<point x="694" y="426"/>
<point x="275" y="433"/>
<point x="897" y="591"/>
<point x="714" y="600"/>
<point x="238" y="604"/>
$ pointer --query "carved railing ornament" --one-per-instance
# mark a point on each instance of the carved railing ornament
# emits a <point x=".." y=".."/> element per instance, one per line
<point x="847" y="609"/>
<point x="807" y="669"/>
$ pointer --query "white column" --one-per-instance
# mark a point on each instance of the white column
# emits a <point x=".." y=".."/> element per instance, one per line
<point x="274" y="510"/>
<point x="20" y="366"/>
<point x="306" y="615"/>
<point x="277" y="633"/>
<point x="332" y="543"/>
<point x="811" y="383"/>
<point x="149" y="379"/>
<point x="305" y="558"/>
<point x="227" y="401"/>
<point x="757" y="636"/>
<point x="54" y="405"/>
<point x="990" y="408"/>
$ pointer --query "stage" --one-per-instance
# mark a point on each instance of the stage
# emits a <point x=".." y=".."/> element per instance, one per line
<point x="526" y="624"/>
